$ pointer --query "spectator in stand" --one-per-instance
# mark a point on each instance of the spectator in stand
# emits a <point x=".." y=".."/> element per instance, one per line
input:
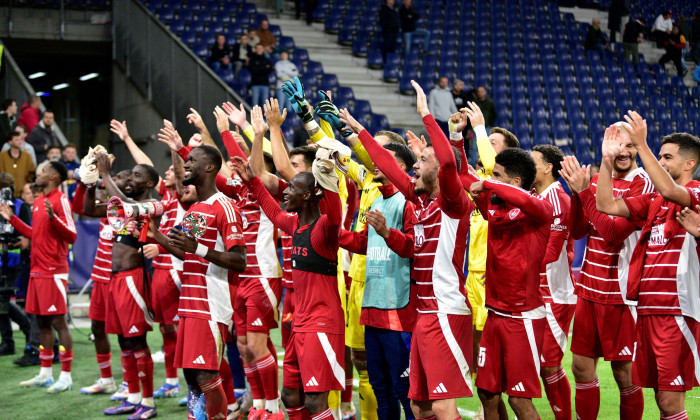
<point x="674" y="51"/>
<point x="285" y="70"/>
<point x="595" y="39"/>
<point x="442" y="104"/>
<point x="17" y="163"/>
<point x="22" y="130"/>
<point x="253" y="39"/>
<point x="220" y="55"/>
<point x="409" y="16"/>
<point x="267" y="38"/>
<point x="69" y="157"/>
<point x="53" y="154"/>
<point x="260" y="68"/>
<point x="696" y="38"/>
<point x="29" y="113"/>
<point x="618" y="10"/>
<point x="241" y="53"/>
<point x="687" y="33"/>
<point x="8" y="117"/>
<point x="663" y="26"/>
<point x="488" y="108"/>
<point x="631" y="38"/>
<point x="309" y="7"/>
<point x="43" y="136"/>
<point x="389" y="24"/>
<point x="459" y="95"/>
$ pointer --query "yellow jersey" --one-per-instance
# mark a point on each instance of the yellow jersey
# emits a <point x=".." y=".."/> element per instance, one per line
<point x="478" y="226"/>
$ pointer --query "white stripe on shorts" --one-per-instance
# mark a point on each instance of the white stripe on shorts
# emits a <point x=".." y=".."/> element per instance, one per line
<point x="554" y="326"/>
<point x="455" y="349"/>
<point x="218" y="339"/>
<point x="338" y="370"/>
<point x="176" y="278"/>
<point x="58" y="279"/>
<point x="688" y="335"/>
<point x="265" y="283"/>
<point x="139" y="300"/>
<point x="533" y="343"/>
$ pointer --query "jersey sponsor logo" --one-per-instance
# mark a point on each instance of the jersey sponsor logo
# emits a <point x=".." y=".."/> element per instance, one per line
<point x="419" y="235"/>
<point x="440" y="389"/>
<point x="518" y="388"/>
<point x="658" y="236"/>
<point x="300" y="250"/>
<point x="52" y="308"/>
<point x="234" y="237"/>
<point x="312" y="382"/>
<point x="133" y="330"/>
<point x="194" y="224"/>
<point x="625" y="352"/>
<point x="513" y="213"/>
<point x="257" y="323"/>
<point x="379" y="253"/>
<point x="199" y="360"/>
<point x="678" y="381"/>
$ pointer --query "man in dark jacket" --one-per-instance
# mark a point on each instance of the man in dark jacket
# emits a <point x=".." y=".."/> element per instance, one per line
<point x="260" y="67"/>
<point x="43" y="136"/>
<point x="409" y="16"/>
<point x="389" y="22"/>
<point x="618" y="10"/>
<point x="595" y="39"/>
<point x="674" y="50"/>
<point x="631" y="38"/>
<point x="8" y="117"/>
<point x="220" y="54"/>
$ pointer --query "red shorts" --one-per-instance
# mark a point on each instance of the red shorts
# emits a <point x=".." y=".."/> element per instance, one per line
<point x="255" y="308"/>
<point x="604" y="331"/>
<point x="314" y="362"/>
<point x="509" y="356"/>
<point x="200" y="344"/>
<point x="441" y="349"/>
<point x="98" y="301"/>
<point x="127" y="313"/>
<point x="165" y="295"/>
<point x="666" y="357"/>
<point x="46" y="294"/>
<point x="287" y="310"/>
<point x="556" y="333"/>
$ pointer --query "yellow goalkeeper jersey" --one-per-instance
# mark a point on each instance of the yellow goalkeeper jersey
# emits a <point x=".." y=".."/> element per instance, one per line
<point x="479" y="227"/>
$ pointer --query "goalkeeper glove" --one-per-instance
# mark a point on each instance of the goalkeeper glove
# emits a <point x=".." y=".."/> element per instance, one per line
<point x="295" y="92"/>
<point x="327" y="111"/>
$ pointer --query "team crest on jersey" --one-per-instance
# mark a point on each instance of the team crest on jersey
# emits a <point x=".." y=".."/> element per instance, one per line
<point x="107" y="233"/>
<point x="194" y="224"/>
<point x="513" y="213"/>
<point x="234" y="181"/>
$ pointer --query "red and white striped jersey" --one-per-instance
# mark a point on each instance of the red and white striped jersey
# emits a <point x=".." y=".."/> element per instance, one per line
<point x="102" y="267"/>
<point x="286" y="241"/>
<point x="665" y="268"/>
<point x="260" y="233"/>
<point x="205" y="293"/>
<point x="610" y="243"/>
<point x="556" y="277"/>
<point x="172" y="215"/>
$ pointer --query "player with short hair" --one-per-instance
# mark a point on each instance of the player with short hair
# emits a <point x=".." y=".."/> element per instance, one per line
<point x="664" y="276"/>
<point x="519" y="227"/>
<point x="51" y="233"/>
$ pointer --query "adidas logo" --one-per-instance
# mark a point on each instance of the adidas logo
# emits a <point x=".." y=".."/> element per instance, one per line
<point x="133" y="330"/>
<point x="440" y="389"/>
<point x="52" y="308"/>
<point x="556" y="409"/>
<point x="199" y="360"/>
<point x="678" y="381"/>
<point x="312" y="382"/>
<point x="219" y="416"/>
<point x="519" y="387"/>
<point x="625" y="352"/>
<point x="257" y="323"/>
<point x="542" y="358"/>
<point x="142" y="375"/>
<point x="406" y="372"/>
<point x="176" y="318"/>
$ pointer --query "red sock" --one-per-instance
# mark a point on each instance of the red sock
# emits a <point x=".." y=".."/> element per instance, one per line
<point x="129" y="371"/>
<point x="104" y="361"/>
<point x="66" y="358"/>
<point x="227" y="381"/>
<point x="144" y="363"/>
<point x="298" y="413"/>
<point x="256" y="388"/>
<point x="169" y="345"/>
<point x="46" y="357"/>
<point x="216" y="398"/>
<point x="683" y="415"/>
<point x="558" y="392"/>
<point x="631" y="403"/>
<point x="273" y="352"/>
<point x="267" y="369"/>
<point x="323" y="415"/>
<point x="587" y="399"/>
<point x="346" y="394"/>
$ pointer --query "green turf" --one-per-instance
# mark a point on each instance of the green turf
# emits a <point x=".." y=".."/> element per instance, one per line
<point x="20" y="403"/>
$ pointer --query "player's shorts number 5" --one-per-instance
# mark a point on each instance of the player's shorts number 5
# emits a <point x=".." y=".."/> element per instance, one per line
<point x="482" y="356"/>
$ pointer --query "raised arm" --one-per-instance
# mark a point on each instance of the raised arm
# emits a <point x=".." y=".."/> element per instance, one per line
<point x="196" y="120"/>
<point x="613" y="230"/>
<point x="78" y="199"/>
<point x="578" y="178"/>
<point x="103" y="167"/>
<point x="355" y="242"/>
<point x="535" y="207"/>
<point x="487" y="154"/>
<point x="141" y="158"/>
<point x="90" y="206"/>
<point x="605" y="201"/>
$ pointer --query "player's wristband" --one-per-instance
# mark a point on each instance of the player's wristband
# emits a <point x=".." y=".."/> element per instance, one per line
<point x="456" y="136"/>
<point x="480" y="132"/>
<point x="201" y="251"/>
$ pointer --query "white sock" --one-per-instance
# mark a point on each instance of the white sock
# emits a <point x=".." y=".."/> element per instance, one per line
<point x="172" y="381"/>
<point x="239" y="390"/>
<point x="65" y="376"/>
<point x="337" y="415"/>
<point x="258" y="404"/>
<point x="107" y="381"/>
<point x="148" y="401"/>
<point x="46" y="372"/>
<point x="134" y="398"/>
<point x="233" y="407"/>
<point x="272" y="406"/>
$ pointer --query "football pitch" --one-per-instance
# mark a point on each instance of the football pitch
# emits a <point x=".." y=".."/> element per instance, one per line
<point x="21" y="403"/>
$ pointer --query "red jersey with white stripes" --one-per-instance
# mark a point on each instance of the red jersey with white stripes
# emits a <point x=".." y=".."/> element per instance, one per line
<point x="172" y="215"/>
<point x="102" y="267"/>
<point x="50" y="237"/>
<point x="556" y="277"/>
<point x="665" y="267"/>
<point x="440" y="232"/>
<point x="610" y="242"/>
<point x="205" y="293"/>
<point x="286" y="241"/>
<point x="259" y="232"/>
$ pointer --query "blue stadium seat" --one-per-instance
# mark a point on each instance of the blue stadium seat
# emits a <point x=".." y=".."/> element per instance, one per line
<point x="361" y="108"/>
<point x="286" y="43"/>
<point x="244" y="77"/>
<point x="314" y="67"/>
<point x="329" y="82"/>
<point x="375" y="60"/>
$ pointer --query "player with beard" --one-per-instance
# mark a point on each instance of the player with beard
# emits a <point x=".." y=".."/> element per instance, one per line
<point x="441" y="342"/>
<point x="664" y="277"/>
<point x="211" y="245"/>
<point x="100" y="276"/>
<point x="128" y="314"/>
<point x="51" y="233"/>
<point x="604" y="320"/>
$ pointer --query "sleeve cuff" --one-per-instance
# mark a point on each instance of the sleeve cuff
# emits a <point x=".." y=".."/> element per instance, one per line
<point x="480" y="132"/>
